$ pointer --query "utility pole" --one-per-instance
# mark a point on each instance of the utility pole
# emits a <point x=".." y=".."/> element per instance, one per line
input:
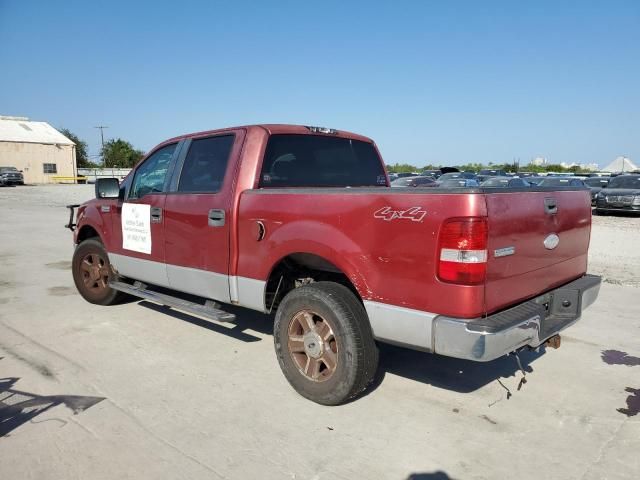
<point x="102" y="127"/>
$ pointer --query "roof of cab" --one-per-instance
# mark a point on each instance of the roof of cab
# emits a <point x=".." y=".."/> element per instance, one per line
<point x="274" y="129"/>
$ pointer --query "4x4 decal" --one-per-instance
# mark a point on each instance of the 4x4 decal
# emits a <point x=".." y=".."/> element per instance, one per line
<point x="415" y="214"/>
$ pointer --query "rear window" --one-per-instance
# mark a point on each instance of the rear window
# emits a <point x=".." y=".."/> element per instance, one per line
<point x="318" y="161"/>
<point x="596" y="182"/>
<point x="496" y="182"/>
<point x="561" y="182"/>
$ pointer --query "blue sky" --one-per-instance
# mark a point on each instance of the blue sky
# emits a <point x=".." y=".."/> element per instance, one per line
<point x="432" y="82"/>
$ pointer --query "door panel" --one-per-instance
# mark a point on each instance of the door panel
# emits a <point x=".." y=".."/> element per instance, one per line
<point x="197" y="217"/>
<point x="146" y="225"/>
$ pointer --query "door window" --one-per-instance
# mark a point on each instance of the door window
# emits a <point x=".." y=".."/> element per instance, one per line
<point x="205" y="164"/>
<point x="151" y="175"/>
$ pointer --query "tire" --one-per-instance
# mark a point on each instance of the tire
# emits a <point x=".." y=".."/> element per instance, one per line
<point x="328" y="366"/>
<point x="599" y="212"/>
<point x="91" y="273"/>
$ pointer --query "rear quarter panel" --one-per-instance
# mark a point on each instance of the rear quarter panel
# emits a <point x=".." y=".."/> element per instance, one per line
<point x="389" y="260"/>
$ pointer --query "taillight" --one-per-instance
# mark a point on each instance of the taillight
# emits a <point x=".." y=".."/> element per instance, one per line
<point x="463" y="251"/>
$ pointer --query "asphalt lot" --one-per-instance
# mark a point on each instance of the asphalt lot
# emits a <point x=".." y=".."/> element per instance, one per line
<point x="133" y="391"/>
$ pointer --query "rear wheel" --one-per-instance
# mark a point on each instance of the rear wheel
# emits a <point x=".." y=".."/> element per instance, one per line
<point x="324" y="343"/>
<point x="92" y="272"/>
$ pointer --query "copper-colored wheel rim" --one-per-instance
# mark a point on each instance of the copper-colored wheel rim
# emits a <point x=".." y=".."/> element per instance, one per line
<point x="94" y="272"/>
<point x="313" y="345"/>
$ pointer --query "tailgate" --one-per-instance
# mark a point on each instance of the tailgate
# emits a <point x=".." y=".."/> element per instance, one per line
<point x="519" y="264"/>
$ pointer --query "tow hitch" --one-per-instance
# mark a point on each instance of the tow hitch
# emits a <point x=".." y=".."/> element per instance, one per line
<point x="71" y="225"/>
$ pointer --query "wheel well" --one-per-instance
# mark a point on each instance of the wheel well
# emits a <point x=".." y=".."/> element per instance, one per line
<point x="87" y="232"/>
<point x="300" y="269"/>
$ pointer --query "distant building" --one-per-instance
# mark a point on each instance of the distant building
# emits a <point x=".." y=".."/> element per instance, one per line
<point x="539" y="161"/>
<point x="620" y="164"/>
<point x="36" y="148"/>
<point x="583" y="166"/>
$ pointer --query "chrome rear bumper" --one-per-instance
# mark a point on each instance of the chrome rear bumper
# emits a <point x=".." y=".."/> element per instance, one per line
<point x="528" y="324"/>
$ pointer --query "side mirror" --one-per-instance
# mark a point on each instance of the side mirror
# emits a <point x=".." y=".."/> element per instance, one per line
<point x="107" y="188"/>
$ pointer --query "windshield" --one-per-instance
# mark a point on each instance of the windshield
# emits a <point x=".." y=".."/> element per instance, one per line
<point x="8" y="169"/>
<point x="631" y="181"/>
<point x="320" y="161"/>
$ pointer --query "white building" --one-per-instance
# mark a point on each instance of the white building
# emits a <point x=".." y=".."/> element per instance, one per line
<point x="583" y="166"/>
<point x="539" y="161"/>
<point x="36" y="148"/>
<point x="621" y="164"/>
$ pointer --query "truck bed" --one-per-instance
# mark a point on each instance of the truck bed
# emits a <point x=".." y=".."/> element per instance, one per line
<point x="386" y="240"/>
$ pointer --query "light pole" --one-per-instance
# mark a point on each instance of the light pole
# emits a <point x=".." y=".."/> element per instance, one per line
<point x="102" y="127"/>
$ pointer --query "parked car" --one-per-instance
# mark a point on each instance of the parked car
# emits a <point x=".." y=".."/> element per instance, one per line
<point x="493" y="172"/>
<point x="534" y="181"/>
<point x="11" y="176"/>
<point x="431" y="173"/>
<point x="414" y="182"/>
<point x="458" y="183"/>
<point x="621" y="194"/>
<point x="561" y="182"/>
<point x="504" y="182"/>
<point x="595" y="184"/>
<point x="455" y="175"/>
<point x="406" y="174"/>
<point x="300" y="221"/>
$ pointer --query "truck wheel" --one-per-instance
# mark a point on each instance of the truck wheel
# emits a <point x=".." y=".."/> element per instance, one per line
<point x="91" y="273"/>
<point x="324" y="343"/>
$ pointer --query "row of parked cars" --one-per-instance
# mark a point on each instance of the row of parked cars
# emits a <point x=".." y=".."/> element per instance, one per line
<point x="616" y="193"/>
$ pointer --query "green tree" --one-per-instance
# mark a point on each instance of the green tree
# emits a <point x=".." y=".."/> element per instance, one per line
<point x="82" y="159"/>
<point x="401" y="167"/>
<point x="120" y="153"/>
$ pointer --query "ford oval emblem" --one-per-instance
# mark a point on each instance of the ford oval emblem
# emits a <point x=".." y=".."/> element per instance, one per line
<point x="551" y="241"/>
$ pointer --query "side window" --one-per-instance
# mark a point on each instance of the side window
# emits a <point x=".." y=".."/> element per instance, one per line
<point x="205" y="164"/>
<point x="150" y="176"/>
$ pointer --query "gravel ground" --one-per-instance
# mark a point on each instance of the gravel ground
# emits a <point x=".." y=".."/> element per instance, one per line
<point x="137" y="391"/>
<point x="615" y="249"/>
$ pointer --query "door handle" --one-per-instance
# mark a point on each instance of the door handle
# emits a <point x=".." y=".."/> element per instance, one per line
<point x="216" y="217"/>
<point x="156" y="214"/>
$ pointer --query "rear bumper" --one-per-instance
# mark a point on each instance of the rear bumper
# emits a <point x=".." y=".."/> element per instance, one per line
<point x="528" y="324"/>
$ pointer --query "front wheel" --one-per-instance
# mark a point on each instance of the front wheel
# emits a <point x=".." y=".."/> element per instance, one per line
<point x="324" y="343"/>
<point x="92" y="272"/>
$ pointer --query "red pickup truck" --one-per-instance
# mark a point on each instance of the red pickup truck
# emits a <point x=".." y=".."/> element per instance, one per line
<point x="301" y="221"/>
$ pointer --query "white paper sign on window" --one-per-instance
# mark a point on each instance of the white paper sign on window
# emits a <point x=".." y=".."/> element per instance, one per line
<point x="136" y="227"/>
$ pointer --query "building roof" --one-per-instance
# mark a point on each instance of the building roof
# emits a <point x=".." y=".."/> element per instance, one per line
<point x="620" y="164"/>
<point x="22" y="130"/>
